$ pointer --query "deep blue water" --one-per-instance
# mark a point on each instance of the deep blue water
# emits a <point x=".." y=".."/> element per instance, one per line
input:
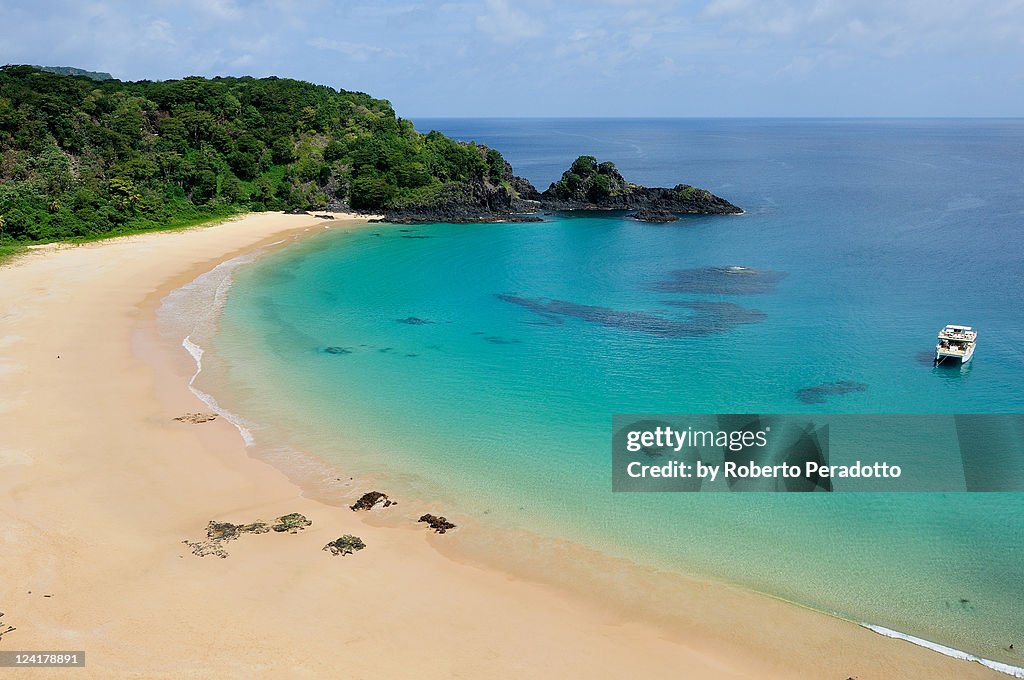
<point x="869" y="235"/>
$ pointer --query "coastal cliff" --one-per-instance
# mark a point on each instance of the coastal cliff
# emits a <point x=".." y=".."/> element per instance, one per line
<point x="495" y="196"/>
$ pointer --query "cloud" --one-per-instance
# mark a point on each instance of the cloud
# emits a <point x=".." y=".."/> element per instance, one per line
<point x="159" y="30"/>
<point x="886" y="29"/>
<point x="221" y="10"/>
<point x="354" y="51"/>
<point x="469" y="57"/>
<point x="508" y="24"/>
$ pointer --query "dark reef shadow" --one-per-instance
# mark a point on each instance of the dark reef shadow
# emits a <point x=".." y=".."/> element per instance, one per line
<point x="708" y="318"/>
<point x="818" y="394"/>
<point x="732" y="280"/>
<point x="498" y="340"/>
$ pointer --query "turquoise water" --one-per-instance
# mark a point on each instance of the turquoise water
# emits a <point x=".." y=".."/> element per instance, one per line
<point x="481" y="364"/>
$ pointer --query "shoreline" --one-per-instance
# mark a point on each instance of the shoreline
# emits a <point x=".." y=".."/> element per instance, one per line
<point x="102" y="495"/>
<point x="583" y="553"/>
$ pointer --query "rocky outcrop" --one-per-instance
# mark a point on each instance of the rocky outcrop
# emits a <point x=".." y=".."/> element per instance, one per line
<point x="438" y="524"/>
<point x="476" y="202"/>
<point x="292" y="523"/>
<point x="368" y="501"/>
<point x="586" y="185"/>
<point x="589" y="185"/>
<point x="220" y="533"/>
<point x="345" y="545"/>
<point x="648" y="215"/>
<point x="196" y="418"/>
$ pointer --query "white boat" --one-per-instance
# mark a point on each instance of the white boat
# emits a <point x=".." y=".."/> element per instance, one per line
<point x="957" y="343"/>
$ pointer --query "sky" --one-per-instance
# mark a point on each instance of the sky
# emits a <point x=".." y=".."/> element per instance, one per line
<point x="562" y="57"/>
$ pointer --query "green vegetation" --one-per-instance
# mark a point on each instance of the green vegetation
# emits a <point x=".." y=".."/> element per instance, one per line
<point x="345" y="545"/>
<point x="589" y="180"/>
<point x="9" y="250"/>
<point x="83" y="158"/>
<point x="689" y="193"/>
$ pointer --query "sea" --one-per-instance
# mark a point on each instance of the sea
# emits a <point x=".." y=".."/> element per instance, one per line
<point x="480" y="365"/>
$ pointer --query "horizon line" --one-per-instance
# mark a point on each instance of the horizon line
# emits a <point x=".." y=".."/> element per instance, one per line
<point x="723" y="117"/>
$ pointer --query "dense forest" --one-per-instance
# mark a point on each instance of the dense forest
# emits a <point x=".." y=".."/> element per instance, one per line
<point x="85" y="158"/>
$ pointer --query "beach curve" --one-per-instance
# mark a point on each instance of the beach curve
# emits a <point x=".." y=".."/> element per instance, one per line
<point x="105" y="486"/>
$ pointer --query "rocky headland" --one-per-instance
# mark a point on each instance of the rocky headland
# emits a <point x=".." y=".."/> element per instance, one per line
<point x="586" y="186"/>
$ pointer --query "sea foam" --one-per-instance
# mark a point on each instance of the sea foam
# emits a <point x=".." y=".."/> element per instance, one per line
<point x="191" y="312"/>
<point x="1013" y="671"/>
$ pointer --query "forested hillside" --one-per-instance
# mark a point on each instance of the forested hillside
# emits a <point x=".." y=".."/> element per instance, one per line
<point x="83" y="158"/>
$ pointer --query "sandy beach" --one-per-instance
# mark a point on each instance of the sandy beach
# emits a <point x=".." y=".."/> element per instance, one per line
<point x="99" y="486"/>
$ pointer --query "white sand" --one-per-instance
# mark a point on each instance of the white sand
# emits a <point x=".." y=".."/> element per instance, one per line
<point x="99" y="486"/>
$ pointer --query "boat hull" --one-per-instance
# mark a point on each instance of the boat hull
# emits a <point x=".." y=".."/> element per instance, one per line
<point x="942" y="357"/>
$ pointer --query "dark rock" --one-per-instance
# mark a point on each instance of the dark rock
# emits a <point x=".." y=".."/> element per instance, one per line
<point x="649" y="215"/>
<point x="526" y="192"/>
<point x="438" y="524"/>
<point x="296" y="211"/>
<point x="324" y="217"/>
<point x="483" y="199"/>
<point x="226" y="531"/>
<point x="196" y="418"/>
<point x="337" y="350"/>
<point x="219" y="533"/>
<point x="346" y="545"/>
<point x="587" y="185"/>
<point x="468" y="216"/>
<point x="293" y="523"/>
<point x="370" y="500"/>
<point x="415" y="321"/>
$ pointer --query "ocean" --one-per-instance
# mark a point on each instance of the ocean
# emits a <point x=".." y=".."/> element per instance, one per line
<point x="480" y="365"/>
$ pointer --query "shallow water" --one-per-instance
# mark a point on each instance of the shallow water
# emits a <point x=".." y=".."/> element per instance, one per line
<point x="482" y="365"/>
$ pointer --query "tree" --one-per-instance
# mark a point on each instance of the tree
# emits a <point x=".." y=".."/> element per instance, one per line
<point x="371" y="192"/>
<point x="231" y="189"/>
<point x="84" y="157"/>
<point x="584" y="166"/>
<point x="600" y="187"/>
